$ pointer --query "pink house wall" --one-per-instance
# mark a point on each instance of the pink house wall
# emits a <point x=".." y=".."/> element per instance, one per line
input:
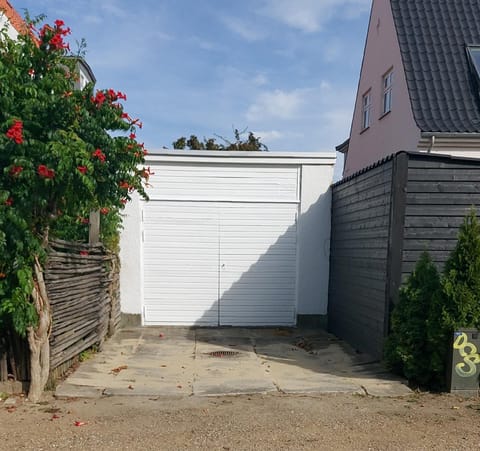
<point x="397" y="129"/>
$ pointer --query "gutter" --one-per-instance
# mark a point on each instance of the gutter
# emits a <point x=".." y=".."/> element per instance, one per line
<point x="450" y="135"/>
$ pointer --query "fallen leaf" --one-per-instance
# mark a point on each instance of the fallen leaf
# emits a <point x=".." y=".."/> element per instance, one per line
<point x="455" y="407"/>
<point x="161" y="335"/>
<point x="179" y="386"/>
<point x="117" y="370"/>
<point x="55" y="417"/>
<point x="80" y="423"/>
<point x="11" y="409"/>
<point x="163" y="366"/>
<point x="130" y="387"/>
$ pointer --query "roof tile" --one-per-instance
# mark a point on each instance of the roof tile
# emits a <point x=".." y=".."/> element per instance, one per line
<point x="432" y="35"/>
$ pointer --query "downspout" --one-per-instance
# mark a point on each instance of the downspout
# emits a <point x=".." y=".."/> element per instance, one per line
<point x="432" y="143"/>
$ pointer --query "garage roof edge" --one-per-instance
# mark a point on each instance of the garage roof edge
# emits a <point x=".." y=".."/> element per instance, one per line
<point x="321" y="158"/>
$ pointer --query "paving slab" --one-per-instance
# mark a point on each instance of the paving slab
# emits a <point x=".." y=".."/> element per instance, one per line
<point x="180" y="361"/>
<point x="224" y="367"/>
<point x="136" y="362"/>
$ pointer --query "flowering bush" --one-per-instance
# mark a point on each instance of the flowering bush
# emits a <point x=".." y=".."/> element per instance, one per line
<point x="58" y="161"/>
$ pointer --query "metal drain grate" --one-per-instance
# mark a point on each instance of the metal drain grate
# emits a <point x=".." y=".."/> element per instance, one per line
<point x="221" y="354"/>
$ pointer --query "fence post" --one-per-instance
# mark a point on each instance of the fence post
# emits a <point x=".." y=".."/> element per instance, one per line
<point x="94" y="227"/>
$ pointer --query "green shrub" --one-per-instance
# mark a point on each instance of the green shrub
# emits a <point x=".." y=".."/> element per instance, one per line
<point x="407" y="348"/>
<point x="431" y="308"/>
<point x="459" y="303"/>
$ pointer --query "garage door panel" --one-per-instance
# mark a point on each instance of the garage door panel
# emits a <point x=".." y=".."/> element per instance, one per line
<point x="180" y="318"/>
<point x="230" y="182"/>
<point x="257" y="248"/>
<point x="180" y="264"/>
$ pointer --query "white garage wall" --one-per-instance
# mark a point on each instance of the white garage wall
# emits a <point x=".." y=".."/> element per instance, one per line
<point x="314" y="240"/>
<point x="131" y="277"/>
<point x="315" y="174"/>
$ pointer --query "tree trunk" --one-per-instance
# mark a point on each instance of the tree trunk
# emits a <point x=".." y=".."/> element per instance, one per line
<point x="38" y="337"/>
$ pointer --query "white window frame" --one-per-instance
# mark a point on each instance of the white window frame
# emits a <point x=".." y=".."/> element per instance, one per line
<point x="387" y="83"/>
<point x="366" y="109"/>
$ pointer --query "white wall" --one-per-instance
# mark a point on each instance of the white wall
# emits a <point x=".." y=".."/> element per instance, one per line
<point x="12" y="33"/>
<point x="131" y="258"/>
<point x="314" y="240"/>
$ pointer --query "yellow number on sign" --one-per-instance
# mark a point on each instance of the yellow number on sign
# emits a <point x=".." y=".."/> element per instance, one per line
<point x="470" y="359"/>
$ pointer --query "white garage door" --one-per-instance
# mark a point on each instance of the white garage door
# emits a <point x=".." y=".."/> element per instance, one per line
<point x="215" y="263"/>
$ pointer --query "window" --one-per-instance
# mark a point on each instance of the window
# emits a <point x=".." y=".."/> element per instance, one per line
<point x="474" y="54"/>
<point x="387" y="92"/>
<point x="366" y="110"/>
<point x="83" y="80"/>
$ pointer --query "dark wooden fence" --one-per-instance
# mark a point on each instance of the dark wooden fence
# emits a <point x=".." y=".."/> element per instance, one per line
<point x="383" y="218"/>
<point x="361" y="209"/>
<point x="83" y="286"/>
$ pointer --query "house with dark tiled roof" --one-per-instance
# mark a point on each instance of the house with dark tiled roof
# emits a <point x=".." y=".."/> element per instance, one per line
<point x="419" y="82"/>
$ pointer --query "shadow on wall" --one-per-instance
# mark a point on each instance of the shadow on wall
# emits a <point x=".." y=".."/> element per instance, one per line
<point x="261" y="291"/>
<point x="311" y="349"/>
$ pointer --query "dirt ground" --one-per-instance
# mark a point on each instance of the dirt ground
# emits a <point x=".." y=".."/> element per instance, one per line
<point x="263" y="422"/>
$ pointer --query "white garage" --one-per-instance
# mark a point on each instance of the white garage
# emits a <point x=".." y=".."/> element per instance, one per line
<point x="229" y="239"/>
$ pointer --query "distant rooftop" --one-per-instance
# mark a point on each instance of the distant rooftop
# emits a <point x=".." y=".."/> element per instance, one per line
<point x="12" y="15"/>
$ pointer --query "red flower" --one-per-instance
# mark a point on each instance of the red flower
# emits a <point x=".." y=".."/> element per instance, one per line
<point x="123" y="201"/>
<point x="125" y="116"/>
<point x="137" y="123"/>
<point x="146" y="173"/>
<point x="83" y="220"/>
<point x="82" y="169"/>
<point x="124" y="185"/>
<point x="44" y="30"/>
<point x="57" y="41"/>
<point x="2" y="275"/>
<point x="59" y="23"/>
<point x="45" y="172"/>
<point x="132" y="136"/>
<point x="104" y="210"/>
<point x="121" y="95"/>
<point x="31" y="72"/>
<point x="83" y="253"/>
<point x="15" y="170"/>
<point x="100" y="155"/>
<point x="15" y="132"/>
<point x="99" y="98"/>
<point x="9" y="202"/>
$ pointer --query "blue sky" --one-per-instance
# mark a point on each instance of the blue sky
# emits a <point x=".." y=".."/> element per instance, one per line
<point x="286" y="69"/>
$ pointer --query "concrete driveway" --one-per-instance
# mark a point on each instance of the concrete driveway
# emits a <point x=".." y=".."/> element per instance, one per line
<point x="175" y="361"/>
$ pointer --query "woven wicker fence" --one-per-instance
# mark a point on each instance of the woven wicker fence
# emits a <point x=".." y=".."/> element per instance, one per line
<point x="83" y="286"/>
